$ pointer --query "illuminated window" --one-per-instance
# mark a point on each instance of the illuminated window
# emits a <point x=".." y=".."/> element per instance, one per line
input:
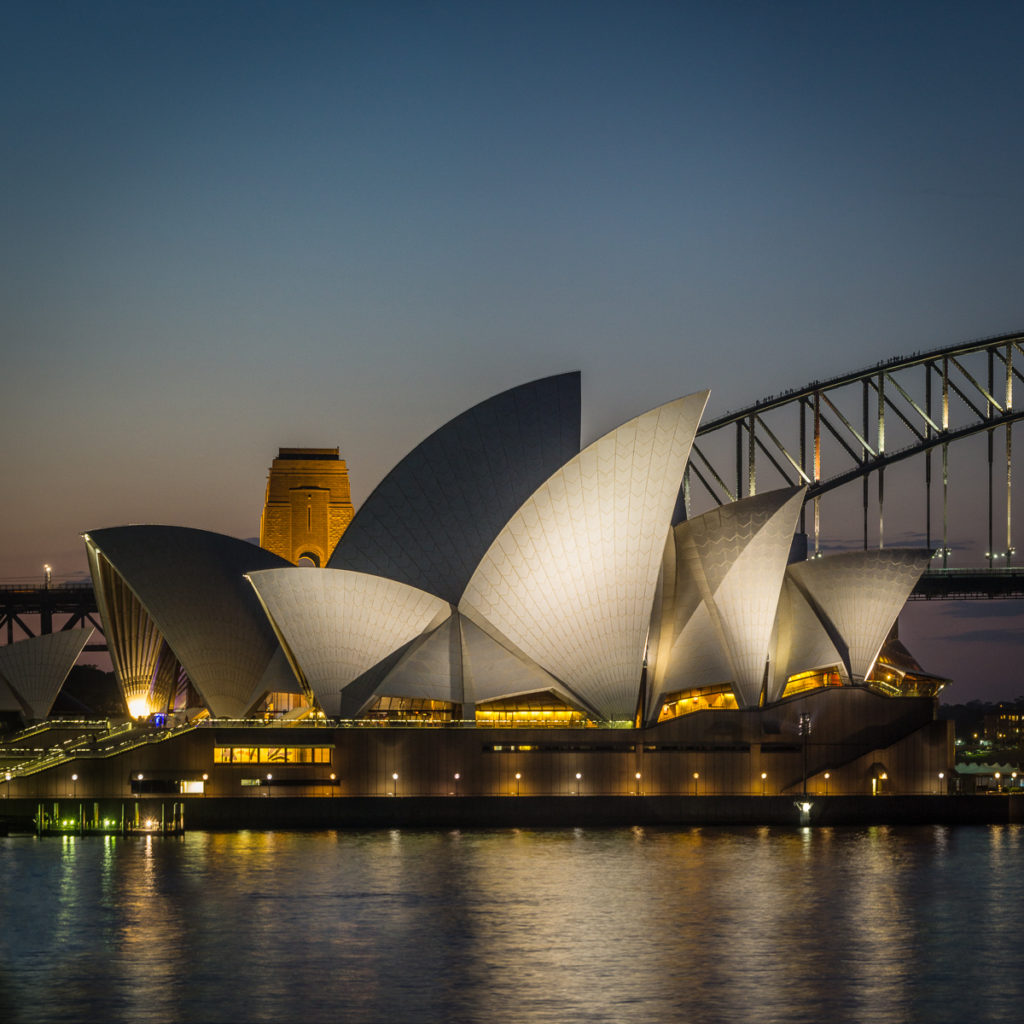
<point x="705" y="698"/>
<point x="271" y="755"/>
<point x="815" y="680"/>
<point x="543" y="708"/>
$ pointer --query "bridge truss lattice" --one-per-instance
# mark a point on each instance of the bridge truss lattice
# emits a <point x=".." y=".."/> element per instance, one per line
<point x="856" y="426"/>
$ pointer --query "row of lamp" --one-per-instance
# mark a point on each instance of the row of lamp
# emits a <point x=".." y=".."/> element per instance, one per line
<point x="579" y="776"/>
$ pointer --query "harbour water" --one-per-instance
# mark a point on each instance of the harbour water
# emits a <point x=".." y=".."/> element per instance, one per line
<point x="880" y="924"/>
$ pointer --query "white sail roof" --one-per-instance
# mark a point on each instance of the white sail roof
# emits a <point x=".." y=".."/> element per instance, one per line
<point x="571" y="578"/>
<point x="192" y="587"/>
<point x="857" y="596"/>
<point x="800" y="642"/>
<point x="336" y="626"/>
<point x="728" y="570"/>
<point x="430" y="520"/>
<point x="35" y="669"/>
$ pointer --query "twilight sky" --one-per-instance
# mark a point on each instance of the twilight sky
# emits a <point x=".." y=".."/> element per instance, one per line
<point x="229" y="227"/>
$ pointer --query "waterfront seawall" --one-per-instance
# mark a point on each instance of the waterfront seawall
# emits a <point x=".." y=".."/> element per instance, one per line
<point x="237" y="813"/>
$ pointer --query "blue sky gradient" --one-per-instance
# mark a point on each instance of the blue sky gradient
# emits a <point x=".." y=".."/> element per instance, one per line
<point x="232" y="227"/>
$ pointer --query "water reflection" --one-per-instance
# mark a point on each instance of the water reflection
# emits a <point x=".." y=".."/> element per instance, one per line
<point x="515" y="925"/>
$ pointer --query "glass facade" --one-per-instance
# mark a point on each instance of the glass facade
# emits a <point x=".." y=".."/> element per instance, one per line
<point x="804" y="681"/>
<point x="271" y="755"/>
<point x="531" y="711"/>
<point x="685" y="702"/>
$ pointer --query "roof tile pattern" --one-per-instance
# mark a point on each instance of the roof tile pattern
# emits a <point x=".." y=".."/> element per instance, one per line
<point x="191" y="583"/>
<point x="728" y="570"/>
<point x="430" y="520"/>
<point x="336" y="625"/>
<point x="431" y="669"/>
<point x="35" y="669"/>
<point x="800" y="642"/>
<point x="859" y="594"/>
<point x="493" y="670"/>
<point x="571" y="579"/>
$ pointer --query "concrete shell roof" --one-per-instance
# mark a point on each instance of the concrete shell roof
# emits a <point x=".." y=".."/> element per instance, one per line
<point x="737" y="555"/>
<point x="801" y="642"/>
<point x="337" y="625"/>
<point x="192" y="584"/>
<point x="431" y="668"/>
<point x="431" y="519"/>
<point x="732" y="560"/>
<point x="857" y="596"/>
<point x="571" y="579"/>
<point x="36" y="668"/>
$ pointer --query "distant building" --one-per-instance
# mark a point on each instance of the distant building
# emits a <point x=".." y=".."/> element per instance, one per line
<point x="1005" y="727"/>
<point x="308" y="504"/>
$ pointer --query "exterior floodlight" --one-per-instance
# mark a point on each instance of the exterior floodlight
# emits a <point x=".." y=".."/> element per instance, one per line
<point x="804" y="807"/>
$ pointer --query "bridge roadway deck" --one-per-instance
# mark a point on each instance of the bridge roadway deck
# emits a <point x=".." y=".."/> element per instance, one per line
<point x="970" y="584"/>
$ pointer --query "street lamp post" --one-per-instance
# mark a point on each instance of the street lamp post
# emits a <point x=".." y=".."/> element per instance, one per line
<point x="999" y="782"/>
<point x="394" y="780"/>
<point x="942" y="775"/>
<point x="828" y="775"/>
<point x="764" y="778"/>
<point x="696" y="780"/>
<point x="457" y="777"/>
<point x="805" y="731"/>
<point x="519" y="775"/>
<point x="47" y="576"/>
<point x="579" y="775"/>
<point x="639" y="788"/>
<point x="269" y="778"/>
<point x="74" y="783"/>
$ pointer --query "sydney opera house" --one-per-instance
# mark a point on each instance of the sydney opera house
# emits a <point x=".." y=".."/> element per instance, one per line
<point x="509" y="614"/>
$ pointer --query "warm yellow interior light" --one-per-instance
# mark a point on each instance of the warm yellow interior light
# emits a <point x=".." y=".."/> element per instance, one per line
<point x="138" y="707"/>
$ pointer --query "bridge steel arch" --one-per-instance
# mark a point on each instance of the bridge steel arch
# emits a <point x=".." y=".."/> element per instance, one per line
<point x="866" y="421"/>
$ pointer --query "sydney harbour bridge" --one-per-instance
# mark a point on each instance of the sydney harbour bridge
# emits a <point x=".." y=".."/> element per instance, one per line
<point x="915" y="451"/>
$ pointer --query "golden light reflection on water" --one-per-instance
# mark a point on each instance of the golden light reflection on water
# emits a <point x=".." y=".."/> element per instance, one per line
<point x="703" y="924"/>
